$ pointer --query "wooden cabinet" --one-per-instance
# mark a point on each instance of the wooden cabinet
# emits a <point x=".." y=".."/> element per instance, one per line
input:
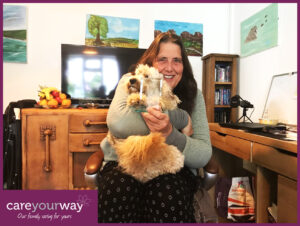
<point x="56" y="144"/>
<point x="37" y="172"/>
<point x="219" y="83"/>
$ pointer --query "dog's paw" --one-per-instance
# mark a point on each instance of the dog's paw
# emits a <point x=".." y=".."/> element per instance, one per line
<point x="135" y="99"/>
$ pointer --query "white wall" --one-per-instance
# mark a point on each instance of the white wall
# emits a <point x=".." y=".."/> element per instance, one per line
<point x="256" y="71"/>
<point x="50" y="25"/>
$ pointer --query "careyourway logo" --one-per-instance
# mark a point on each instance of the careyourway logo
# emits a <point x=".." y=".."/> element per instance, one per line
<point x="43" y="206"/>
<point x="47" y="211"/>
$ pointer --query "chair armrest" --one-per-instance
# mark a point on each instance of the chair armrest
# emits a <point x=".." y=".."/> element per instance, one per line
<point x="211" y="171"/>
<point x="212" y="166"/>
<point x="94" y="163"/>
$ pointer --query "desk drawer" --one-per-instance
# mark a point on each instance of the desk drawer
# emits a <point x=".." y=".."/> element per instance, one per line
<point x="279" y="161"/>
<point x="233" y="145"/>
<point x="88" y="123"/>
<point x="85" y="142"/>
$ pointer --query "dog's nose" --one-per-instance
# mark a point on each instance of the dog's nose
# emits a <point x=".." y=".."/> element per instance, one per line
<point x="132" y="81"/>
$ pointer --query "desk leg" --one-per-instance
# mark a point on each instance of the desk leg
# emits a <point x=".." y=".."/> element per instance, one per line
<point x="287" y="200"/>
<point x="262" y="194"/>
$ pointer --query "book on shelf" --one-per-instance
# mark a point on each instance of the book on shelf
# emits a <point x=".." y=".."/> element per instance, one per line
<point x="222" y="115"/>
<point x="222" y="73"/>
<point x="222" y="96"/>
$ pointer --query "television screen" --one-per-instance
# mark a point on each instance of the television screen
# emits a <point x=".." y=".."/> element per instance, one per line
<point x="91" y="74"/>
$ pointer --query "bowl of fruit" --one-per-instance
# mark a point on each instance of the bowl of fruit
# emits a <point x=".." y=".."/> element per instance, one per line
<point x="51" y="97"/>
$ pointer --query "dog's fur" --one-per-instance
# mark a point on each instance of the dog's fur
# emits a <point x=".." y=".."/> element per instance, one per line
<point x="167" y="100"/>
<point x="146" y="157"/>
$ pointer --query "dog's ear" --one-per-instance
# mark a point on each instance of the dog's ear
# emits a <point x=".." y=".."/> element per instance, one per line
<point x="142" y="69"/>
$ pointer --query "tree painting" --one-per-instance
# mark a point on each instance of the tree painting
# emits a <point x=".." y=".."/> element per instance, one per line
<point x="112" y="31"/>
<point x="98" y="27"/>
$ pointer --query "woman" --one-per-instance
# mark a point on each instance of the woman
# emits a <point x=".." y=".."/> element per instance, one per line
<point x="169" y="197"/>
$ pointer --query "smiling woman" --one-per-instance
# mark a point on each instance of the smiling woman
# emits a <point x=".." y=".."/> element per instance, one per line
<point x="169" y="63"/>
<point x="167" y="198"/>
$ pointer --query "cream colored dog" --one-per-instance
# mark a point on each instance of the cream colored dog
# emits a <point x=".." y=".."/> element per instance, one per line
<point x="146" y="157"/>
<point x="147" y="88"/>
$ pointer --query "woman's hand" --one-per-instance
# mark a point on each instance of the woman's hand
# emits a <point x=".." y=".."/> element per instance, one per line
<point x="157" y="121"/>
<point x="188" y="130"/>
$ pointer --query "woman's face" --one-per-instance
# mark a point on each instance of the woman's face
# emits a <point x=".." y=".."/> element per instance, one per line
<point x="169" y="63"/>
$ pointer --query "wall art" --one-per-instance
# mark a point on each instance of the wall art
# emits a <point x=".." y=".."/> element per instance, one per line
<point x="112" y="31"/>
<point x="14" y="33"/>
<point x="260" y="31"/>
<point x="191" y="34"/>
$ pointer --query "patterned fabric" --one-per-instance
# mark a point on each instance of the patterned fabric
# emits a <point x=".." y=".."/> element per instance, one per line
<point x="165" y="199"/>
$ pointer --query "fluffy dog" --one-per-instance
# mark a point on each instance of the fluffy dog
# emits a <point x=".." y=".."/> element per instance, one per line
<point x="146" y="157"/>
<point x="147" y="87"/>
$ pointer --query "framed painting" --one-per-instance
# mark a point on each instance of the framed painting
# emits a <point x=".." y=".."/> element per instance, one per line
<point x="14" y="33"/>
<point x="191" y="34"/>
<point x="112" y="31"/>
<point x="260" y="31"/>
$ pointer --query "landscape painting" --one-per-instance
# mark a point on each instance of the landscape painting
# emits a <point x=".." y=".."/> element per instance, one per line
<point x="112" y="31"/>
<point x="191" y="34"/>
<point x="14" y="34"/>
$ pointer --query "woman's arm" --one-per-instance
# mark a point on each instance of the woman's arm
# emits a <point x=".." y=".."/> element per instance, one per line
<point x="198" y="148"/>
<point x="124" y="121"/>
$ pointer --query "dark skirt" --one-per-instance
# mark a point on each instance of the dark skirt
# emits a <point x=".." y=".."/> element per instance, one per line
<point x="167" y="198"/>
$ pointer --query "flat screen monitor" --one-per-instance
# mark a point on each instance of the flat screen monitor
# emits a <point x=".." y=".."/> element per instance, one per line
<point x="91" y="74"/>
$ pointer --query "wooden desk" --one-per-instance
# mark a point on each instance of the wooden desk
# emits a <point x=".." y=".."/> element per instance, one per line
<point x="270" y="157"/>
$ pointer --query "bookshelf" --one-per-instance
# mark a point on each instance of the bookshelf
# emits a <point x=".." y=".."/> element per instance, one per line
<point x="219" y="83"/>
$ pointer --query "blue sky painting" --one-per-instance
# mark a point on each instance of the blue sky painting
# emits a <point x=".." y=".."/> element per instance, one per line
<point x="14" y="17"/>
<point x="14" y="33"/>
<point x="179" y="27"/>
<point x="191" y="34"/>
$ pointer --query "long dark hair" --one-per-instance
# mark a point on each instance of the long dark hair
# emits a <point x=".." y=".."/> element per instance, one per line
<point x="186" y="89"/>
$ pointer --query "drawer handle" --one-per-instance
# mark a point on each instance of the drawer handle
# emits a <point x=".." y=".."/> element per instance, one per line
<point x="47" y="165"/>
<point x="88" y="123"/>
<point x="87" y="142"/>
<point x="222" y="134"/>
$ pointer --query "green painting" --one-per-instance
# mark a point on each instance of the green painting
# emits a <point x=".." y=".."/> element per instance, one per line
<point x="112" y="31"/>
<point x="190" y="33"/>
<point x="260" y="31"/>
<point x="14" y="34"/>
